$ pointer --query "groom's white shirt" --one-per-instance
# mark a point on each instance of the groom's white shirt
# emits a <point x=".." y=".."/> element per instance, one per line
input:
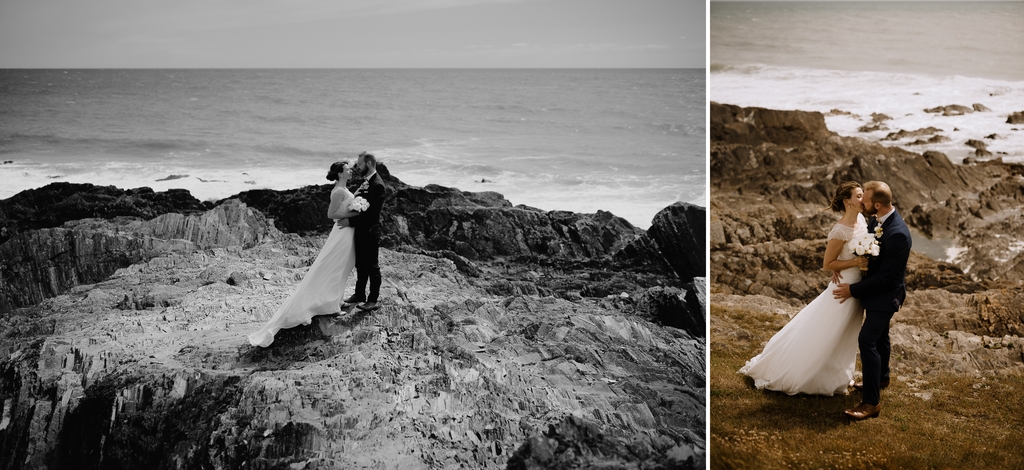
<point x="881" y="218"/>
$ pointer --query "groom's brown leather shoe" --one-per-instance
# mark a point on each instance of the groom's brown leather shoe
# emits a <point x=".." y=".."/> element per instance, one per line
<point x="352" y="301"/>
<point x="863" y="411"/>
<point x="368" y="306"/>
<point x="881" y="385"/>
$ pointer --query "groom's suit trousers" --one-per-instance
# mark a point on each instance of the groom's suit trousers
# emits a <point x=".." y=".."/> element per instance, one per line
<point x="367" y="241"/>
<point x="874" y="353"/>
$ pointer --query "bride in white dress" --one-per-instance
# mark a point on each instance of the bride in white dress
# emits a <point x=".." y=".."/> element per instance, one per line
<point x="816" y="352"/>
<point x="321" y="289"/>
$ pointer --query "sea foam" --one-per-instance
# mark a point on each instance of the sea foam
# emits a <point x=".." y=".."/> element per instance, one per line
<point x="903" y="97"/>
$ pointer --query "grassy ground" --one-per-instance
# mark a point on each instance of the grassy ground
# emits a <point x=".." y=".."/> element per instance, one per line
<point x="967" y="422"/>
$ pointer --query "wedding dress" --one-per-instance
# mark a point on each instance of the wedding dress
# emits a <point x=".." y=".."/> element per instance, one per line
<point x="816" y="352"/>
<point x="321" y="289"/>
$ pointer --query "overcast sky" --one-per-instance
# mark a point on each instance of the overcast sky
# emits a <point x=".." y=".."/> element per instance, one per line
<point x="352" y="33"/>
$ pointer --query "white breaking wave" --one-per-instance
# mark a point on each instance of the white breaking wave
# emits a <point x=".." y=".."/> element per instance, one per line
<point x="903" y="97"/>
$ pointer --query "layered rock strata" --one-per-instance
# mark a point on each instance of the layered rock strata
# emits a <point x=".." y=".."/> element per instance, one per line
<point x="150" y="369"/>
<point x="767" y="233"/>
<point x="37" y="264"/>
<point x="508" y="353"/>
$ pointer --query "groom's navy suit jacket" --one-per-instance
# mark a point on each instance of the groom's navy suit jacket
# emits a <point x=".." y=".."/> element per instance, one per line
<point x="374" y="194"/>
<point x="884" y="286"/>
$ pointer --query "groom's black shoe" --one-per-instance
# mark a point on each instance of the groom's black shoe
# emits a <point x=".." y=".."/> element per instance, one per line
<point x="369" y="306"/>
<point x="352" y="301"/>
<point x="881" y="385"/>
<point x="863" y="411"/>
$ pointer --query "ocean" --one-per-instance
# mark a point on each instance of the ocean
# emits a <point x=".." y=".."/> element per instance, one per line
<point x="893" y="58"/>
<point x="627" y="141"/>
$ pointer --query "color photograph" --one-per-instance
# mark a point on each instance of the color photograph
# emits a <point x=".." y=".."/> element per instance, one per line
<point x="866" y="256"/>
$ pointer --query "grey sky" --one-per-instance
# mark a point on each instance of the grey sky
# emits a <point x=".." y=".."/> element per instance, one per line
<point x="352" y="33"/>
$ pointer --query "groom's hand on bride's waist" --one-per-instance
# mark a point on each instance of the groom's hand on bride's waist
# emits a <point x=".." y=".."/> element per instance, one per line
<point x="342" y="223"/>
<point x="836" y="277"/>
<point x="842" y="292"/>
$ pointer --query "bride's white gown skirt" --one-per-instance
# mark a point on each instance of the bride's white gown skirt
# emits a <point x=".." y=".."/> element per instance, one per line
<point x="320" y="291"/>
<point x="816" y="352"/>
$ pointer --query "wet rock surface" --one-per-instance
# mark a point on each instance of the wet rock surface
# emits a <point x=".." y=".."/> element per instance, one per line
<point x="963" y="310"/>
<point x="592" y="355"/>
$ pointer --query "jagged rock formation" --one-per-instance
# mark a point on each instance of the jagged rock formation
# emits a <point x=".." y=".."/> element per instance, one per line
<point x="138" y="357"/>
<point x="150" y="369"/>
<point x="1017" y="117"/>
<point x="56" y="203"/>
<point x="475" y="226"/>
<point x="37" y="264"/>
<point x="752" y="126"/>
<point x="767" y="238"/>
<point x="933" y="194"/>
<point x="903" y="134"/>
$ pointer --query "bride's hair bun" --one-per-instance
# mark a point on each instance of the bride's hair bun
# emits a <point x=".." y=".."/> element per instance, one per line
<point x="843" y="192"/>
<point x="336" y="168"/>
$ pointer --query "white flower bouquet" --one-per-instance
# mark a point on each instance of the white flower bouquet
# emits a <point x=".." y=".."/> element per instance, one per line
<point x="865" y="245"/>
<point x="358" y="204"/>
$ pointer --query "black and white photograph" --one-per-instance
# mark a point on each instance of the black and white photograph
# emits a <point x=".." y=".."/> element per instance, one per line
<point x="866" y="165"/>
<point x="392" y="234"/>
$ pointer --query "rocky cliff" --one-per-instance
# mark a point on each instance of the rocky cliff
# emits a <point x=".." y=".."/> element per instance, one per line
<point x="770" y="178"/>
<point x="493" y="349"/>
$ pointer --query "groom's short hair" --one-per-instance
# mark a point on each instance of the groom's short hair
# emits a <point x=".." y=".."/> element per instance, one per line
<point x="369" y="158"/>
<point x="880" y="192"/>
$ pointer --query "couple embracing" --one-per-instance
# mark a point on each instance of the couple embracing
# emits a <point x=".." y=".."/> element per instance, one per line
<point x="815" y="353"/>
<point x="353" y="242"/>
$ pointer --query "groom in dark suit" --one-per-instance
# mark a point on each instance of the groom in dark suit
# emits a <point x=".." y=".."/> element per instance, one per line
<point x="367" y="234"/>
<point x="881" y="292"/>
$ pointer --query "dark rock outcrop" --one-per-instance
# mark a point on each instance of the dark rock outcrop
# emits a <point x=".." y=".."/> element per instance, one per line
<point x="476" y="226"/>
<point x="753" y="126"/>
<point x="951" y="110"/>
<point x="680" y="233"/>
<point x="935" y="139"/>
<point x="977" y="144"/>
<point x="902" y="134"/>
<point x="56" y="203"/>
<point x="1016" y="117"/>
<point x="464" y="227"/>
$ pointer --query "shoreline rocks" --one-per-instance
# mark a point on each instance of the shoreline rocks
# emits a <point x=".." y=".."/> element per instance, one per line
<point x="573" y="328"/>
<point x="767" y="234"/>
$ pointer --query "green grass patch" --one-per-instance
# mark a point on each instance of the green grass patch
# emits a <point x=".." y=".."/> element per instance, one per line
<point x="966" y="422"/>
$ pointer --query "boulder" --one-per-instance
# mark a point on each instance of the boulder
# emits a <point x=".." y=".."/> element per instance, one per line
<point x="902" y="134"/>
<point x="1016" y="117"/>
<point x="951" y="110"/>
<point x="680" y="231"/>
<point x="977" y="144"/>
